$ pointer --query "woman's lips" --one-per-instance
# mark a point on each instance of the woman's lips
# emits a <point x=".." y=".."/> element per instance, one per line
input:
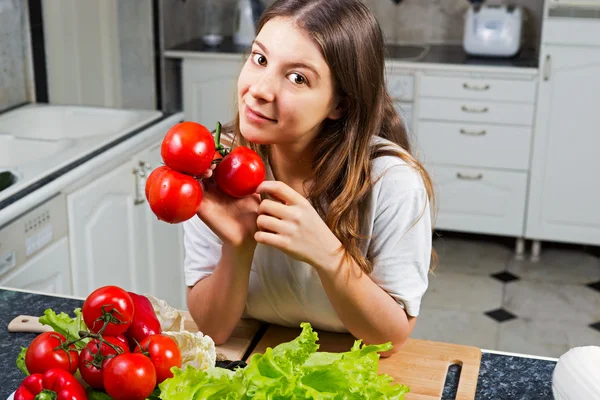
<point x="255" y="116"/>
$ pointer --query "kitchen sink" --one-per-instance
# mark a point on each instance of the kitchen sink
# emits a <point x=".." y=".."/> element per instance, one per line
<point x="408" y="52"/>
<point x="50" y="122"/>
<point x="17" y="151"/>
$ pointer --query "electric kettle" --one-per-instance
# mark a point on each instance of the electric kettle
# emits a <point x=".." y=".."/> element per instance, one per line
<point x="247" y="14"/>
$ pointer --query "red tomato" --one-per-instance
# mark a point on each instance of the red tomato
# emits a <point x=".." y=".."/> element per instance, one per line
<point x="129" y="377"/>
<point x="42" y="354"/>
<point x="108" y="303"/>
<point x="164" y="354"/>
<point x="173" y="197"/>
<point x="188" y="147"/>
<point x="240" y="172"/>
<point x="94" y="357"/>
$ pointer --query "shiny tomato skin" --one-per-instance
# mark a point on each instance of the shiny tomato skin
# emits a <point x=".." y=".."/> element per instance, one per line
<point x="112" y="299"/>
<point x="129" y="376"/>
<point x="164" y="354"/>
<point x="173" y="197"/>
<point x="94" y="376"/>
<point x="188" y="147"/>
<point x="240" y="172"/>
<point x="41" y="355"/>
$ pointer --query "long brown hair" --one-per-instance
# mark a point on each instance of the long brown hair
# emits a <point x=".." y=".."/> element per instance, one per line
<point x="352" y="44"/>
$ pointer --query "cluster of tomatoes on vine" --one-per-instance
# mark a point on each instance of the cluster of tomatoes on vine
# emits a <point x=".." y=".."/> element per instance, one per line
<point x="188" y="150"/>
<point x="126" y="354"/>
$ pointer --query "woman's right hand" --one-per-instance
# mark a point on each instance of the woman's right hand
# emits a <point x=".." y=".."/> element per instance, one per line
<point x="232" y="220"/>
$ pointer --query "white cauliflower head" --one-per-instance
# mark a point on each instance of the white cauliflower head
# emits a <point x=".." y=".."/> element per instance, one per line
<point x="196" y="349"/>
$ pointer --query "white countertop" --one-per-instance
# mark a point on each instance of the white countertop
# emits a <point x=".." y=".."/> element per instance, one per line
<point x="75" y="148"/>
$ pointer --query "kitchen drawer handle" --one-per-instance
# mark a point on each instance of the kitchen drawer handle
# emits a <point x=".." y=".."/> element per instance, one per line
<point x="475" y="110"/>
<point x="479" y="88"/>
<point x="469" y="177"/>
<point x="472" y="133"/>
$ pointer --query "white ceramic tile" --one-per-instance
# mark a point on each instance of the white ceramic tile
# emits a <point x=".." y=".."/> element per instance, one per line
<point x="456" y="326"/>
<point x="478" y="257"/>
<point x="544" y="338"/>
<point x="552" y="301"/>
<point x="136" y="49"/>
<point x="12" y="15"/>
<point x="559" y="266"/>
<point x="463" y="292"/>
<point x="13" y="88"/>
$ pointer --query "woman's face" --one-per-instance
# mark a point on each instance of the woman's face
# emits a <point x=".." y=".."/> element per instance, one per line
<point x="285" y="89"/>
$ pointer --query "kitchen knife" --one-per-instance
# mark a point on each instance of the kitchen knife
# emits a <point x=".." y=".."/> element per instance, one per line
<point x="28" y="323"/>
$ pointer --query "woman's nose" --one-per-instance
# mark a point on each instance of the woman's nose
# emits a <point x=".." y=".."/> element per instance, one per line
<point x="263" y="88"/>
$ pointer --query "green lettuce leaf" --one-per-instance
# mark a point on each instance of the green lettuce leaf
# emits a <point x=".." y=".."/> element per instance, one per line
<point x="63" y="323"/>
<point x="294" y="371"/>
<point x="21" y="361"/>
<point x="191" y="383"/>
<point x="93" y="394"/>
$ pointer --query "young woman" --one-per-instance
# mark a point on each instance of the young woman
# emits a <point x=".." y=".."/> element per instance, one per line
<point x="339" y="234"/>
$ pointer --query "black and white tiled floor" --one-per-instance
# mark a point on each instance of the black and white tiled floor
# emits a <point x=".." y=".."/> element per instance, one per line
<point x="480" y="295"/>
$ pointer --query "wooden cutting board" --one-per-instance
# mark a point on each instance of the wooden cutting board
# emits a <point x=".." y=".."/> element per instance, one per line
<point x="420" y="364"/>
<point x="234" y="349"/>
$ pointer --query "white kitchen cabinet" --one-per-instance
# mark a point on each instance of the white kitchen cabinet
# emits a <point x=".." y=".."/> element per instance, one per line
<point x="116" y="239"/>
<point x="47" y="272"/>
<point x="564" y="188"/>
<point x="474" y="132"/>
<point x="162" y="245"/>
<point x="210" y="90"/>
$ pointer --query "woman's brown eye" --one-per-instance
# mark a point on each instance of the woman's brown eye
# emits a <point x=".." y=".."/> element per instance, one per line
<point x="259" y="59"/>
<point x="297" y="79"/>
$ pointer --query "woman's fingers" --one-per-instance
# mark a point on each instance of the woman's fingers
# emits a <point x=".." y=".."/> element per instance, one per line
<point x="274" y="208"/>
<point x="280" y="191"/>
<point x="266" y="223"/>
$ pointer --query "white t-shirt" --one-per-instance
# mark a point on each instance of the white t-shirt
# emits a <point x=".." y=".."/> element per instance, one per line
<point x="286" y="292"/>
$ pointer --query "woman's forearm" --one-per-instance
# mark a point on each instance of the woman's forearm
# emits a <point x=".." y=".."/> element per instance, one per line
<point x="217" y="302"/>
<point x="367" y="311"/>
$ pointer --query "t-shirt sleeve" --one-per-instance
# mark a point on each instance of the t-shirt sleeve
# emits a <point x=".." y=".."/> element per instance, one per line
<point x="202" y="250"/>
<point x="401" y="244"/>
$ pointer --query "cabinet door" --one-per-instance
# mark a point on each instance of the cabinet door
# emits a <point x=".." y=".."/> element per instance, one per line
<point x="564" y="190"/>
<point x="162" y="244"/>
<point x="210" y="90"/>
<point x="103" y="233"/>
<point x="480" y="200"/>
<point x="48" y="272"/>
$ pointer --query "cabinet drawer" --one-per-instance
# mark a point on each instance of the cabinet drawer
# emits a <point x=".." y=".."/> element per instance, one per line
<point x="476" y="111"/>
<point x="478" y="88"/>
<point x="476" y="145"/>
<point x="480" y="200"/>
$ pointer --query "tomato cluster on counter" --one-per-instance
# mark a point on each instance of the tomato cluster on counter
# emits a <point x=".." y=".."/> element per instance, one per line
<point x="188" y="150"/>
<point x="126" y="355"/>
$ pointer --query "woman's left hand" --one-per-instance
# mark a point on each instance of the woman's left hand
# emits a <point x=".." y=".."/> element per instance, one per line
<point x="291" y="224"/>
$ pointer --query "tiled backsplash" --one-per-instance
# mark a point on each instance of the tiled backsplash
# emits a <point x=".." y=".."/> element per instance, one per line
<point x="15" y="77"/>
<point x="440" y="21"/>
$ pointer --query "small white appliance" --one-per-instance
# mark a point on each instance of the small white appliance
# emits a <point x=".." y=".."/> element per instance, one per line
<point x="493" y="30"/>
<point x="247" y="14"/>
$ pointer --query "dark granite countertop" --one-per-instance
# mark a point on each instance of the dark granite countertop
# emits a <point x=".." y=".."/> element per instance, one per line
<point x="500" y="376"/>
<point x="437" y="54"/>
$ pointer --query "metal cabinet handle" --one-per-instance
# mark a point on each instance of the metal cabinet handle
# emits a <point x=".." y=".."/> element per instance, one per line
<point x="472" y="133"/>
<point x="547" y="67"/>
<point x="140" y="186"/>
<point x="479" y="88"/>
<point x="145" y="166"/>
<point x="475" y="110"/>
<point x="469" y="177"/>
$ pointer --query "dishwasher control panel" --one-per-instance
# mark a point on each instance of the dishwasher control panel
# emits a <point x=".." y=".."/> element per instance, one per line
<point x="33" y="231"/>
